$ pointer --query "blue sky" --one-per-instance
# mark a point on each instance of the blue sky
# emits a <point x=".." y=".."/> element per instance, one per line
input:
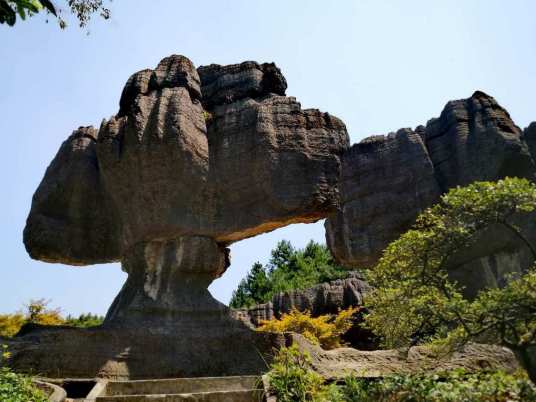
<point x="378" y="65"/>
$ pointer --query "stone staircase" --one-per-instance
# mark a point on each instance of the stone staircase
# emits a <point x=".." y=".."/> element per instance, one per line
<point x="207" y="389"/>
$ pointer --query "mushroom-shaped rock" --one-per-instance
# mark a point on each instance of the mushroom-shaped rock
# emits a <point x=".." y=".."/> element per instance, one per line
<point x="185" y="168"/>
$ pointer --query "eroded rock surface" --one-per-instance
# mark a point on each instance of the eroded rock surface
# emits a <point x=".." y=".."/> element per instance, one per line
<point x="530" y="138"/>
<point x="387" y="180"/>
<point x="325" y="298"/>
<point x="73" y="219"/>
<point x="197" y="159"/>
<point x="227" y="84"/>
<point x="337" y="363"/>
<point x="272" y="164"/>
<point x="262" y="163"/>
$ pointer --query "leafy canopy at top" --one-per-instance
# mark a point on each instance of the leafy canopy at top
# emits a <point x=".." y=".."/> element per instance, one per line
<point x="83" y="10"/>
<point x="288" y="269"/>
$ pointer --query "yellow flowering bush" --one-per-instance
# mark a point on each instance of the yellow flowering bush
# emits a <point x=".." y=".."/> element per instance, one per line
<point x="325" y="330"/>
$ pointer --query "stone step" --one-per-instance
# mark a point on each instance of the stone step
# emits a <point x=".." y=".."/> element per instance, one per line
<point x="202" y="389"/>
<point x="216" y="396"/>
<point x="182" y="385"/>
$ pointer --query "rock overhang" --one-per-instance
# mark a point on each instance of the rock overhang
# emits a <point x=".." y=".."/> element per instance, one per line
<point x="218" y="151"/>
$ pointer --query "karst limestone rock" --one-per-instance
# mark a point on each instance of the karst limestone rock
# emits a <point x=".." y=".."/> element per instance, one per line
<point x="196" y="159"/>
<point x="387" y="180"/>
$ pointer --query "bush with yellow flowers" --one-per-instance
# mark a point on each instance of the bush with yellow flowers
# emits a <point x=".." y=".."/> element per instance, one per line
<point x="325" y="330"/>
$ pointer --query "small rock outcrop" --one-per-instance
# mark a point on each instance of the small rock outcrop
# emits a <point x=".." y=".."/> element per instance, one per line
<point x="324" y="298"/>
<point x="337" y="363"/>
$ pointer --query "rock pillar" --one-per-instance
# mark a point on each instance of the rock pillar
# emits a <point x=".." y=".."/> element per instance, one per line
<point x="168" y="280"/>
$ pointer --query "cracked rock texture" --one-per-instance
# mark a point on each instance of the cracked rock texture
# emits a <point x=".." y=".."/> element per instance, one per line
<point x="387" y="180"/>
<point x="325" y="298"/>
<point x="226" y="156"/>
<point x="196" y="159"/>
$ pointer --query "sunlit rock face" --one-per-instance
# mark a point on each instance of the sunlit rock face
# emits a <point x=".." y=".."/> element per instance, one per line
<point x="387" y="180"/>
<point x="196" y="159"/>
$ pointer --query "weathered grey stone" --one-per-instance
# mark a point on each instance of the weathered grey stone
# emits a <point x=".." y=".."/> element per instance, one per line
<point x="529" y="135"/>
<point x="137" y="84"/>
<point x="168" y="281"/>
<point x="325" y="298"/>
<point x="385" y="182"/>
<point x="227" y="84"/>
<point x="72" y="219"/>
<point x="475" y="139"/>
<point x="337" y="363"/>
<point x="187" y="349"/>
<point x="495" y="254"/>
<point x="165" y="196"/>
<point x="291" y="157"/>
<point x="154" y="164"/>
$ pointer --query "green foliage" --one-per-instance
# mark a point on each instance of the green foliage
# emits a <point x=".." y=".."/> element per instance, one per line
<point x="37" y="312"/>
<point x="82" y="9"/>
<point x="292" y="379"/>
<point x="287" y="269"/>
<point x="451" y="386"/>
<point x="17" y="387"/>
<point x="84" y="320"/>
<point x="414" y="301"/>
<point x="325" y="330"/>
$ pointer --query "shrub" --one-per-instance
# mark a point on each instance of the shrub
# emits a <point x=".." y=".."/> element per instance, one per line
<point x="452" y="386"/>
<point x="10" y="324"/>
<point x="17" y="387"/>
<point x="292" y="379"/>
<point x="414" y="301"/>
<point x="324" y="330"/>
<point x="37" y="312"/>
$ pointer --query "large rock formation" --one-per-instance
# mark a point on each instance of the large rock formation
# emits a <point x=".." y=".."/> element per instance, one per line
<point x="194" y="160"/>
<point x="197" y="159"/>
<point x="387" y="180"/>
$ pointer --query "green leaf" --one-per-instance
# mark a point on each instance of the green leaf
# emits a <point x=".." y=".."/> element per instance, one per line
<point x="49" y="6"/>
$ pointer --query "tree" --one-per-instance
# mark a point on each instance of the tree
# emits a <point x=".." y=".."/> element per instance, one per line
<point x="287" y="269"/>
<point x="82" y="9"/>
<point x="84" y="320"/>
<point x="414" y="300"/>
<point x="38" y="313"/>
